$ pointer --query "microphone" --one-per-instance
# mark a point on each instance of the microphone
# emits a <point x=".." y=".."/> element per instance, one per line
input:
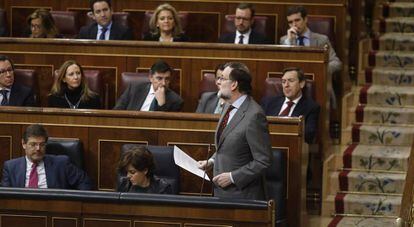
<point x="205" y="173"/>
<point x="125" y="184"/>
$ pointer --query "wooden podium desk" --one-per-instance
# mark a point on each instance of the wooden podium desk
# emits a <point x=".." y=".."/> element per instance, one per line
<point x="104" y="131"/>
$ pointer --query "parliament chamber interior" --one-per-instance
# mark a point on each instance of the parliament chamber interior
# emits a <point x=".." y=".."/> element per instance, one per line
<point x="345" y="162"/>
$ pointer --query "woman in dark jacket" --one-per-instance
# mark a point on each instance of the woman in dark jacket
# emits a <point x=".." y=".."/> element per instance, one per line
<point x="138" y="164"/>
<point x="42" y="25"/>
<point x="165" y="25"/>
<point x="71" y="90"/>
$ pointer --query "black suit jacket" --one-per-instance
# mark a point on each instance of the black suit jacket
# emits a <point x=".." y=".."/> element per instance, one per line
<point x="151" y="37"/>
<point x="118" y="32"/>
<point x="254" y="38"/>
<point x="305" y="107"/>
<point x="207" y="103"/>
<point x="134" y="97"/>
<point x="60" y="173"/>
<point x="21" y="96"/>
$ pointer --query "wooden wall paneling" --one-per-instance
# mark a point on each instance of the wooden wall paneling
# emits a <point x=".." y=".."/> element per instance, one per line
<point x="10" y="139"/>
<point x="23" y="220"/>
<point x="64" y="222"/>
<point x="155" y="223"/>
<point x="101" y="222"/>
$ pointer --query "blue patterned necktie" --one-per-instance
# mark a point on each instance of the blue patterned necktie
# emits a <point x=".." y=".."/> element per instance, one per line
<point x="300" y="39"/>
<point x="5" y="100"/>
<point x="103" y="32"/>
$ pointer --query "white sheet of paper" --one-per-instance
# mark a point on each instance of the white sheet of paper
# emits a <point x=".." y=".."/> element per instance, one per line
<point x="186" y="162"/>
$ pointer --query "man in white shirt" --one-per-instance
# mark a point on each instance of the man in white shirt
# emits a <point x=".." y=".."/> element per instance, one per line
<point x="153" y="96"/>
<point x="294" y="103"/>
<point x="243" y="22"/>
<point x="38" y="170"/>
<point x="104" y="27"/>
<point x="12" y="93"/>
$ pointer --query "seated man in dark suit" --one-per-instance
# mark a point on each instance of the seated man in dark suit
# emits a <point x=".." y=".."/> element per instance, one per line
<point x="299" y="34"/>
<point x="209" y="101"/>
<point x="243" y="22"/>
<point x="153" y="96"/>
<point x="11" y="93"/>
<point x="37" y="170"/>
<point x="104" y="28"/>
<point x="293" y="103"/>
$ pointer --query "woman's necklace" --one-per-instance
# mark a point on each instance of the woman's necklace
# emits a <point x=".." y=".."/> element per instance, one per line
<point x="70" y="104"/>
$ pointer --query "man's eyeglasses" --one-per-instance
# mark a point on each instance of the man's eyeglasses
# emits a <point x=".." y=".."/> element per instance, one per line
<point x="4" y="71"/>
<point x="221" y="79"/>
<point x="33" y="144"/>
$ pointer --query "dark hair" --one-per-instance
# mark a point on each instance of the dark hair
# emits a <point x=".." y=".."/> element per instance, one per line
<point x="241" y="74"/>
<point x="299" y="72"/>
<point x="48" y="22"/>
<point x="297" y="9"/>
<point x="250" y="6"/>
<point x="5" y="58"/>
<point x="160" y="66"/>
<point x="218" y="67"/>
<point x="59" y="86"/>
<point x="92" y="2"/>
<point x="139" y="157"/>
<point x="35" y="130"/>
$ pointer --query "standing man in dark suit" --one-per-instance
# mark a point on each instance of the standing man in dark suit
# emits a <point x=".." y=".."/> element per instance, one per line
<point x="11" y="93"/>
<point x="294" y="103"/>
<point x="243" y="150"/>
<point x="243" y="22"/>
<point x="104" y="28"/>
<point x="37" y="170"/>
<point x="153" y="96"/>
<point x="209" y="101"/>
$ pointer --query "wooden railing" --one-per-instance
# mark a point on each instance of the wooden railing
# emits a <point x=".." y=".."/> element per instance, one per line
<point x="407" y="204"/>
<point x="51" y="207"/>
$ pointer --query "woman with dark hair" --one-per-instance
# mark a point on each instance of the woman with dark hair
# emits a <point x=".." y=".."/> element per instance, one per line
<point x="42" y="25"/>
<point x="138" y="164"/>
<point x="71" y="90"/>
<point x="165" y="25"/>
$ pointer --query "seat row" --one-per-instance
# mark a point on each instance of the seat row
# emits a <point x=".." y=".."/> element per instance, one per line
<point x="95" y="80"/>
<point x="69" y="23"/>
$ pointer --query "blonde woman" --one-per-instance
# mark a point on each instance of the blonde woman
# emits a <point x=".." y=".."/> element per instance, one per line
<point x="70" y="90"/>
<point x="42" y="25"/>
<point x="165" y="25"/>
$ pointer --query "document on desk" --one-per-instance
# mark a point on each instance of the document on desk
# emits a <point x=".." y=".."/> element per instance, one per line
<point x="184" y="161"/>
